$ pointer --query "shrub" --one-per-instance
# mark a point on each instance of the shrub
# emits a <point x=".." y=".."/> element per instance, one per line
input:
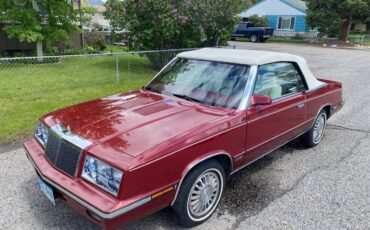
<point x="259" y="21"/>
<point x="18" y="54"/>
<point x="86" y="50"/>
<point x="96" y="40"/>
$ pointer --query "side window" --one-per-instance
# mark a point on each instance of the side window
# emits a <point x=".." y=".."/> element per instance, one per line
<point x="249" y="24"/>
<point x="241" y="26"/>
<point x="278" y="80"/>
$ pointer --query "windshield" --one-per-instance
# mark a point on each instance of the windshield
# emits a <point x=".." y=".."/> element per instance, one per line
<point x="211" y="83"/>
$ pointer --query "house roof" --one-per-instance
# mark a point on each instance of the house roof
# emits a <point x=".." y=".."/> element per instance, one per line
<point x="299" y="4"/>
<point x="276" y="7"/>
<point x="251" y="57"/>
<point x="101" y="9"/>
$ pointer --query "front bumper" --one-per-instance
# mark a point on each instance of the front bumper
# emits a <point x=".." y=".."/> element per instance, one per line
<point x="98" y="206"/>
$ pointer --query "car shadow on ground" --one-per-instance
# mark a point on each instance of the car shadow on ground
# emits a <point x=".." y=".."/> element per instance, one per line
<point x="254" y="187"/>
<point x="61" y="216"/>
<point x="247" y="193"/>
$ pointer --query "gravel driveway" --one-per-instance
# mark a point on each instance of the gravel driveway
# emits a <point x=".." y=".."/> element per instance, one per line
<point x="327" y="187"/>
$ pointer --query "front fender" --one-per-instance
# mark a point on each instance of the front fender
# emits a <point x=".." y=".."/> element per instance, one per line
<point x="198" y="161"/>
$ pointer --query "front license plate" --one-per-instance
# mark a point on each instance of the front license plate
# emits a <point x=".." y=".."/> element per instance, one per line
<point x="47" y="190"/>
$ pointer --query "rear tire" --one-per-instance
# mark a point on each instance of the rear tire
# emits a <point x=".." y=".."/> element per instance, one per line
<point x="313" y="136"/>
<point x="200" y="193"/>
<point x="254" y="38"/>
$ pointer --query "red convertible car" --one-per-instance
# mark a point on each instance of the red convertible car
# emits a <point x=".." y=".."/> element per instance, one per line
<point x="206" y="115"/>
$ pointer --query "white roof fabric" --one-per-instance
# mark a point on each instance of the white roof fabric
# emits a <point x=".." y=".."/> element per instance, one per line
<point x="252" y="57"/>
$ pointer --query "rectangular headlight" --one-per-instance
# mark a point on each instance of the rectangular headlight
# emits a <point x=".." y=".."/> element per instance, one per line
<point x="102" y="174"/>
<point x="42" y="133"/>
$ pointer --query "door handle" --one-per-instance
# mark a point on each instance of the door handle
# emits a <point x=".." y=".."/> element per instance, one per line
<point x="300" y="106"/>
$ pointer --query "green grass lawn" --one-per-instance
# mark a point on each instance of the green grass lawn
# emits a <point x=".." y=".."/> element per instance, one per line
<point x="29" y="91"/>
<point x="358" y="38"/>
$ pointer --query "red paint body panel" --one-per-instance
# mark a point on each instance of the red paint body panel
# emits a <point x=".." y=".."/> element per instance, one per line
<point x="156" y="139"/>
<point x="273" y="125"/>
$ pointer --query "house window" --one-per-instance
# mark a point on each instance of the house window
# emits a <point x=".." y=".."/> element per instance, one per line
<point x="286" y="23"/>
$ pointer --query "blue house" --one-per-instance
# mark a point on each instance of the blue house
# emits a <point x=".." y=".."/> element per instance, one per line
<point x="286" y="17"/>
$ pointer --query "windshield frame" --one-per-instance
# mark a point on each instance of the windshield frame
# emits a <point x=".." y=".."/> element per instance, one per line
<point x="246" y="92"/>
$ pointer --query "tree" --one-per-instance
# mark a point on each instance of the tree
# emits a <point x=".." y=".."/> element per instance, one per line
<point x="166" y="24"/>
<point x="336" y="15"/>
<point x="216" y="19"/>
<point x="259" y="21"/>
<point x="41" y="21"/>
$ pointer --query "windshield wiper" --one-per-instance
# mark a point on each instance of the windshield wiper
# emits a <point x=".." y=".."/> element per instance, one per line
<point x="186" y="97"/>
<point x="152" y="89"/>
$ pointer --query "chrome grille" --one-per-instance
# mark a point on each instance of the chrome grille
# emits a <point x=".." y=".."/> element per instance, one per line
<point x="63" y="154"/>
<point x="52" y="147"/>
<point x="68" y="158"/>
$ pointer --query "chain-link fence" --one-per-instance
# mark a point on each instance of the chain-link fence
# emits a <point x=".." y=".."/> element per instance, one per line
<point x="32" y="86"/>
<point x="118" y="66"/>
<point x="361" y="39"/>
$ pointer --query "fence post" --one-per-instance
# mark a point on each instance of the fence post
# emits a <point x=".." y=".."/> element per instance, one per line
<point x="117" y="69"/>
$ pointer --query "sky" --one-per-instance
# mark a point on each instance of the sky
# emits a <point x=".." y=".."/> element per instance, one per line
<point x="96" y="2"/>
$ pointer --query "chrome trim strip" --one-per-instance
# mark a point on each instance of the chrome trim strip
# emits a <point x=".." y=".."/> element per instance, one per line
<point x="236" y="170"/>
<point x="249" y="87"/>
<point x="322" y="107"/>
<point x="195" y="164"/>
<point x="40" y="141"/>
<point x="287" y="96"/>
<point x="188" y="146"/>
<point x="281" y="134"/>
<point x="165" y="67"/>
<point x="276" y="111"/>
<point x="91" y="208"/>
<point x="67" y="135"/>
<point x="263" y="155"/>
<point x="322" y="95"/>
<point x="316" y="88"/>
<point x="238" y="155"/>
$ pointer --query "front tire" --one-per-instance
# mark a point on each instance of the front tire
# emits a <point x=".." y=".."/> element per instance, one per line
<point x="200" y="193"/>
<point x="313" y="136"/>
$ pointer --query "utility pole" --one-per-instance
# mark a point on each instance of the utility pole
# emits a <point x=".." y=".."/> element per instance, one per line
<point x="81" y="25"/>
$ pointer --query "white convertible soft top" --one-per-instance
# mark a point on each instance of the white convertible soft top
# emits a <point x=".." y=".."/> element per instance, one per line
<point x="252" y="57"/>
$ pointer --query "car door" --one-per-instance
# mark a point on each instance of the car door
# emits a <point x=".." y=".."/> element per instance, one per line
<point x="240" y="30"/>
<point x="249" y="30"/>
<point x="270" y="126"/>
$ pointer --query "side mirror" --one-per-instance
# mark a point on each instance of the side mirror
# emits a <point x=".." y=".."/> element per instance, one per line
<point x="260" y="100"/>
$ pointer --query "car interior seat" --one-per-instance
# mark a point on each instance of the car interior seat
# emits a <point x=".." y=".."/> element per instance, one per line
<point x="268" y="86"/>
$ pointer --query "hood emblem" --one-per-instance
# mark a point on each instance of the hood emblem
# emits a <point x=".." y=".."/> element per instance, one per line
<point x="66" y="134"/>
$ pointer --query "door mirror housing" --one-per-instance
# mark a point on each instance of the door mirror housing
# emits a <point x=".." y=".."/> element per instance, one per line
<point x="260" y="100"/>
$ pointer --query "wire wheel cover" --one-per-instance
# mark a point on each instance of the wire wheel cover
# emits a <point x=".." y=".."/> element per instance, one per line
<point x="319" y="128"/>
<point x="204" y="194"/>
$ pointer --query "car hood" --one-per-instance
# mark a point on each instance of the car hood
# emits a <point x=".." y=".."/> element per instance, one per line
<point x="134" y="123"/>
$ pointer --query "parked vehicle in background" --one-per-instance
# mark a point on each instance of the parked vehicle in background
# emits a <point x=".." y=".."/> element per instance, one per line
<point x="255" y="34"/>
<point x="206" y="115"/>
